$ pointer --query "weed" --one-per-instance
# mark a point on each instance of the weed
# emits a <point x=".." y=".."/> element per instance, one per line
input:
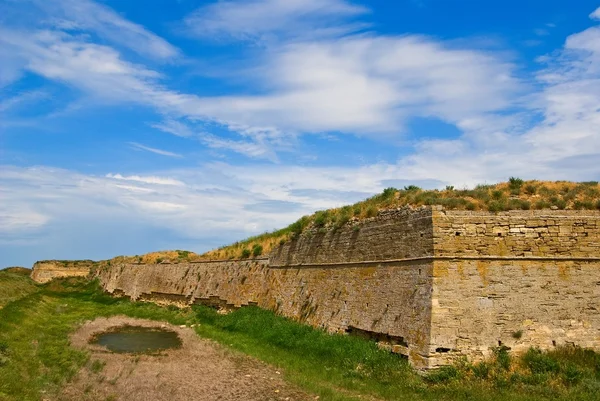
<point x="444" y="374"/>
<point x="502" y="356"/>
<point x="97" y="366"/>
<point x="481" y="370"/>
<point x="530" y="189"/>
<point x="389" y="193"/>
<point x="496" y="206"/>
<point x="497" y="195"/>
<point x="517" y="334"/>
<point x="371" y="211"/>
<point x="515" y="185"/>
<point x="257" y="250"/>
<point x="412" y="188"/>
<point x="542" y="204"/>
<point x="540" y="362"/>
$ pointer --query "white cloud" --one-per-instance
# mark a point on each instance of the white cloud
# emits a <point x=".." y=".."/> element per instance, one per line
<point x="19" y="219"/>
<point x="596" y="14"/>
<point x="147" y="179"/>
<point x="96" y="69"/>
<point x="139" y="146"/>
<point x="22" y="98"/>
<point x="174" y="127"/>
<point x="259" y="20"/>
<point x="88" y="15"/>
<point x="357" y="84"/>
<point x="564" y="142"/>
<point x="247" y="148"/>
<point x="369" y="85"/>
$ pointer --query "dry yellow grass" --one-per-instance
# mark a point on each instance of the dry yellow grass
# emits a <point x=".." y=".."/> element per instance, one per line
<point x="514" y="194"/>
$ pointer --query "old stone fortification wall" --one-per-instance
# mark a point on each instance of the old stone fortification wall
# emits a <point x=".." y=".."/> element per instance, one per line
<point x="390" y="302"/>
<point x="432" y="284"/>
<point x="340" y="286"/>
<point x="46" y="270"/>
<point x="518" y="279"/>
<point x="392" y="235"/>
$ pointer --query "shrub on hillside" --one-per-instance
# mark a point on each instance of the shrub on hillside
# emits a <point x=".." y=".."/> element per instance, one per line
<point x="257" y="250"/>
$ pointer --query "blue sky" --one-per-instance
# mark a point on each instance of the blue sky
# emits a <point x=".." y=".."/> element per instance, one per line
<point x="130" y="126"/>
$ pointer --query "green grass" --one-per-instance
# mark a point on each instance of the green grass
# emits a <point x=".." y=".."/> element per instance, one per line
<point x="14" y="284"/>
<point x="338" y="367"/>
<point x="35" y="354"/>
<point x="36" y="359"/>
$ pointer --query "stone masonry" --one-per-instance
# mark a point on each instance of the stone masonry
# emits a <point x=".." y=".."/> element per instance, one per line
<point x="430" y="284"/>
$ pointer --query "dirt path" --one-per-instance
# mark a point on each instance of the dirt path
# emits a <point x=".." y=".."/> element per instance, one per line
<point x="199" y="370"/>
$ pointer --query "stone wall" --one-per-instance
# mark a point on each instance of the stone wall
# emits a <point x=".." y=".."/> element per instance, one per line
<point x="518" y="233"/>
<point x="517" y="279"/>
<point x="431" y="284"/>
<point x="340" y="285"/>
<point x="46" y="270"/>
<point x="392" y="235"/>
<point x="390" y="302"/>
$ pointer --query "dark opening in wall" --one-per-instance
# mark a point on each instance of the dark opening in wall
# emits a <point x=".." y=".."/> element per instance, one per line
<point x="457" y="234"/>
<point x="554" y="343"/>
<point x="443" y="350"/>
<point x="499" y="234"/>
<point x="378" y="337"/>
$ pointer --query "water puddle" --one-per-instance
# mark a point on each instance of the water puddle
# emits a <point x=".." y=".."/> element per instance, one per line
<point x="137" y="339"/>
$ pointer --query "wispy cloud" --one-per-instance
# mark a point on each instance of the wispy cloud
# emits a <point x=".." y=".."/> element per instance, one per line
<point x="174" y="127"/>
<point x="260" y="20"/>
<point x="251" y="149"/>
<point x="356" y="84"/>
<point x="23" y="98"/>
<point x="147" y="179"/>
<point x="139" y="146"/>
<point x="596" y="14"/>
<point x="369" y="85"/>
<point x="87" y="15"/>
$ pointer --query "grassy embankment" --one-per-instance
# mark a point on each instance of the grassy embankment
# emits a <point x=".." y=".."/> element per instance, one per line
<point x="14" y="284"/>
<point x="515" y="194"/>
<point x="35" y="357"/>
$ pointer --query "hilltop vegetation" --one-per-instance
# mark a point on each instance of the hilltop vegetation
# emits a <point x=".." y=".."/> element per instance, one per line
<point x="516" y="194"/>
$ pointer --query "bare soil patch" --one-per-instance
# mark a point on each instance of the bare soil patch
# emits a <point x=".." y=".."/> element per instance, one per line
<point x="199" y="370"/>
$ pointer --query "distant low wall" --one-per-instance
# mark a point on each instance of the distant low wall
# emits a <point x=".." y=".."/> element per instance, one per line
<point x="46" y="270"/>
